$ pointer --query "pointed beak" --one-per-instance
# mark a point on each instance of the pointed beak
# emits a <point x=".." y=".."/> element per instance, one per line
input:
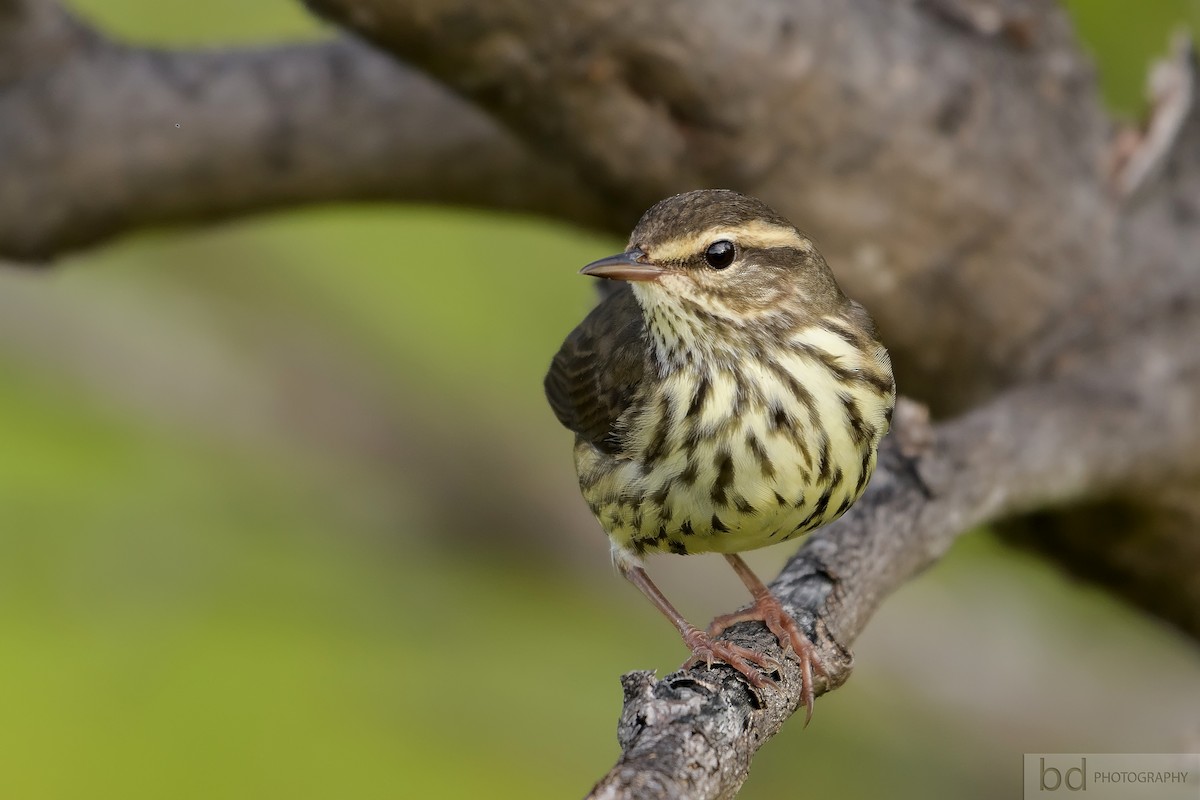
<point x="627" y="266"/>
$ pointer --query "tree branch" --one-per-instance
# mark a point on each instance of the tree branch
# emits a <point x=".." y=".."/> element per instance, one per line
<point x="1142" y="539"/>
<point x="694" y="733"/>
<point x="97" y="138"/>
<point x="991" y="147"/>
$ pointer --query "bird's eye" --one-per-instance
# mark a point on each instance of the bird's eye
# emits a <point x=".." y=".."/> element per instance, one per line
<point x="719" y="254"/>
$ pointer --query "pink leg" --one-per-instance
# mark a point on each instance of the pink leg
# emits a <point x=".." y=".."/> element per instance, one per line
<point x="704" y="648"/>
<point x="768" y="610"/>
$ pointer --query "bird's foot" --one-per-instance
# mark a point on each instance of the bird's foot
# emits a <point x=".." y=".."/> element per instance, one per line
<point x="768" y="610"/>
<point x="751" y="663"/>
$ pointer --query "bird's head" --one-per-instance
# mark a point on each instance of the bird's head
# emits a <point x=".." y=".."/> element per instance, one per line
<point x="719" y="255"/>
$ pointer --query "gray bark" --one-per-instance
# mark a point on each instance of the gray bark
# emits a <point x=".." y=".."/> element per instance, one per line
<point x="99" y="138"/>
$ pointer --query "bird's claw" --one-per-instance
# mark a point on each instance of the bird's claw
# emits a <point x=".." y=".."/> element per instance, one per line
<point x="750" y="663"/>
<point x="771" y="613"/>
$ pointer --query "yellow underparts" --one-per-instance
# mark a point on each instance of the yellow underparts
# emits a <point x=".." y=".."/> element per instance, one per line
<point x="723" y="461"/>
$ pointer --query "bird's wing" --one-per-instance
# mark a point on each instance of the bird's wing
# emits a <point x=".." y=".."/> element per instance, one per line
<point x="595" y="375"/>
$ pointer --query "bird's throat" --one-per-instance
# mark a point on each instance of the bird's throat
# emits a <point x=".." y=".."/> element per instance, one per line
<point x="687" y="331"/>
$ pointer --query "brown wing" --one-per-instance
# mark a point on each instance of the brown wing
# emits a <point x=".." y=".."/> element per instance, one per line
<point x="593" y="378"/>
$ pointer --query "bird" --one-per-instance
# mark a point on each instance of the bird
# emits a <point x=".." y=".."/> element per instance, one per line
<point x="725" y="396"/>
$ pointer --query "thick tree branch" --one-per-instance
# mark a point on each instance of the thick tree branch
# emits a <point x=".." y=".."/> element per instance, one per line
<point x="929" y="158"/>
<point x="1142" y="540"/>
<point x="98" y="138"/>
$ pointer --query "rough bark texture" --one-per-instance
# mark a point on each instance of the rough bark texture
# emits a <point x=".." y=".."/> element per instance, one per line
<point x="1034" y="270"/>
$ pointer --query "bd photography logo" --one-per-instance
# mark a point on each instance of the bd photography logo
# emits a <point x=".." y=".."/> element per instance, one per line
<point x="1120" y="776"/>
<point x="1052" y="778"/>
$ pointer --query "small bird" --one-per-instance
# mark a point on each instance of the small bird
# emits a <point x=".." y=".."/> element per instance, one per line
<point x="725" y="397"/>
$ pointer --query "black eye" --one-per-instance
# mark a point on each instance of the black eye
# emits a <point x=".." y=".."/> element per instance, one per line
<point x="719" y="254"/>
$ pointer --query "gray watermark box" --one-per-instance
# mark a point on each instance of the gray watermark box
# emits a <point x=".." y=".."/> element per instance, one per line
<point x="1112" y="776"/>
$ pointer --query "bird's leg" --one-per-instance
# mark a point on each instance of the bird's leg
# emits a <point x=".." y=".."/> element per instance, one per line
<point x="704" y="648"/>
<point x="768" y="610"/>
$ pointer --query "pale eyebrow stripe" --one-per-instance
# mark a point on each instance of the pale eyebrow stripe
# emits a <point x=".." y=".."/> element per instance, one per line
<point x="757" y="234"/>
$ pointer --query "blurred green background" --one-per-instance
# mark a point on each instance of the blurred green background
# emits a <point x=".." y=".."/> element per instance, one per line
<point x="266" y="494"/>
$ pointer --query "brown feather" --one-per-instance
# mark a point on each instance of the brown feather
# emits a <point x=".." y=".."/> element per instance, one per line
<point x="595" y="376"/>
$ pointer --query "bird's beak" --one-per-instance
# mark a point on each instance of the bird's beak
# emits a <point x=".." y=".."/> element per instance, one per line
<point x="627" y="266"/>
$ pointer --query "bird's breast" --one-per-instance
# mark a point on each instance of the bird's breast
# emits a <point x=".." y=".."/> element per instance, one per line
<point x="727" y="456"/>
